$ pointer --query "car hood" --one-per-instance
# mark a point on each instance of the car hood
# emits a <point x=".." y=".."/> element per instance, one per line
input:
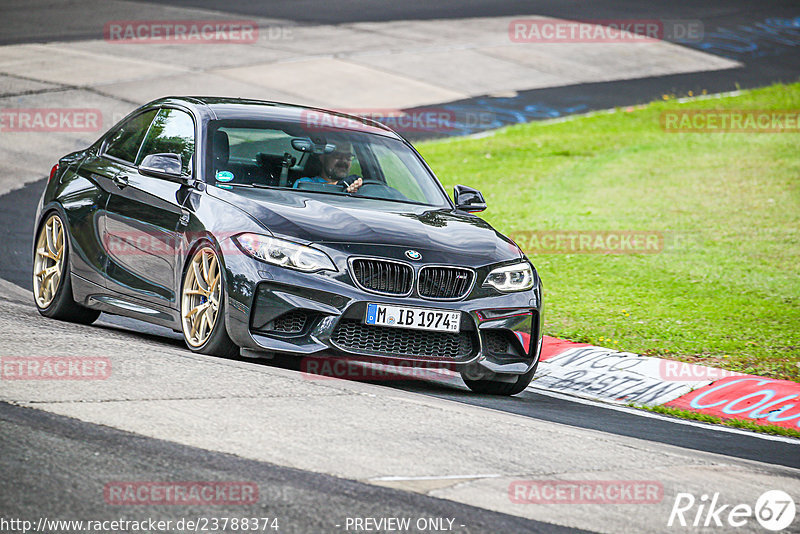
<point x="366" y="225"/>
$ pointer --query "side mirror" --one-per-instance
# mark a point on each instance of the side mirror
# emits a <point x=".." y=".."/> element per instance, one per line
<point x="161" y="166"/>
<point x="468" y="199"/>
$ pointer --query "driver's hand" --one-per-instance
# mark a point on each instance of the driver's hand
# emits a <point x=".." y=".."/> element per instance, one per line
<point x="352" y="188"/>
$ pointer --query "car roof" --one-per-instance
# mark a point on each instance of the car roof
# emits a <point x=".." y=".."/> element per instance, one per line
<point x="219" y="108"/>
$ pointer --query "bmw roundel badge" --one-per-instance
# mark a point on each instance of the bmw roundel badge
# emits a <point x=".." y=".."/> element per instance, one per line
<point x="413" y="255"/>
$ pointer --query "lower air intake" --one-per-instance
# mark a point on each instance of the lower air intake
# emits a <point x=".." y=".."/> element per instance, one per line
<point x="353" y="336"/>
<point x="289" y="323"/>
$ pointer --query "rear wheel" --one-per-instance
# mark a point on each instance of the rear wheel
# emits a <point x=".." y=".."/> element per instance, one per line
<point x="52" y="286"/>
<point x="203" y="306"/>
<point x="498" y="387"/>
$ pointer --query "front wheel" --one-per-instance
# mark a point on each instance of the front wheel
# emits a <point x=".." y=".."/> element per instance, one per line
<point x="52" y="286"/>
<point x="203" y="306"/>
<point x="496" y="387"/>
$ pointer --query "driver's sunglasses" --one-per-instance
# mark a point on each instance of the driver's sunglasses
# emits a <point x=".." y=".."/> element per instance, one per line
<point x="343" y="155"/>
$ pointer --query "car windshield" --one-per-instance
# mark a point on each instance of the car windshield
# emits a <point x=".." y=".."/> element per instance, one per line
<point x="335" y="162"/>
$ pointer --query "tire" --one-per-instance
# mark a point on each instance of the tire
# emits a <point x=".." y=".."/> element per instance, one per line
<point x="52" y="284"/>
<point x="203" y="306"/>
<point x="494" y="387"/>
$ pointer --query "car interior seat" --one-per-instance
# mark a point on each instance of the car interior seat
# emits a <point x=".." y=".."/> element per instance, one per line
<point x="272" y="165"/>
<point x="220" y="145"/>
<point x="312" y="168"/>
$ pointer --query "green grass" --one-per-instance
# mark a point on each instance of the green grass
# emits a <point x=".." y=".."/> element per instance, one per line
<point x="725" y="291"/>
<point x="733" y="423"/>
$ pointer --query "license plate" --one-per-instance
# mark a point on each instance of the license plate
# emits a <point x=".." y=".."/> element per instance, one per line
<point x="416" y="318"/>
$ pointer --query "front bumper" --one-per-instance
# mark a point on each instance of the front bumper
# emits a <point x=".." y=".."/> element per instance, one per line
<point x="272" y="309"/>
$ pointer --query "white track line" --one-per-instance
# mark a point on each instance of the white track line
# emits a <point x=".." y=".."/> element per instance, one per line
<point x="433" y="477"/>
<point x="651" y="415"/>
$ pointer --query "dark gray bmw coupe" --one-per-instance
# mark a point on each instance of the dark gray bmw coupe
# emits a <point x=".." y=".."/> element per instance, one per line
<point x="259" y="227"/>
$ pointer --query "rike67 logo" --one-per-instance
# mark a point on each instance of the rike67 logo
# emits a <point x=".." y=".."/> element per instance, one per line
<point x="774" y="510"/>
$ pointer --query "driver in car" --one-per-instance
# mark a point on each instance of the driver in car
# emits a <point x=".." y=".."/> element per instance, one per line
<point x="335" y="169"/>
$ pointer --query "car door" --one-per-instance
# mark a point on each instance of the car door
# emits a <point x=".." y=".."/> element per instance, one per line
<point x="98" y="173"/>
<point x="144" y="215"/>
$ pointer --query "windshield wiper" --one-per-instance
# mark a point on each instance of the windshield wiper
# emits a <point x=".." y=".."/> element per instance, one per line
<point x="254" y="186"/>
<point x="337" y="193"/>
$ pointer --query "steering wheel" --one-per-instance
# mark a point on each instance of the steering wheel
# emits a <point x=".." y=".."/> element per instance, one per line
<point x="366" y="183"/>
<point x="378" y="189"/>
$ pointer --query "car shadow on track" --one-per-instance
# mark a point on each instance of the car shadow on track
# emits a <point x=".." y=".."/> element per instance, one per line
<point x="140" y="329"/>
<point x="529" y="403"/>
<point x="433" y="381"/>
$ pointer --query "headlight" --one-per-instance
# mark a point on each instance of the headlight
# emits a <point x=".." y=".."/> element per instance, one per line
<point x="284" y="253"/>
<point x="517" y="277"/>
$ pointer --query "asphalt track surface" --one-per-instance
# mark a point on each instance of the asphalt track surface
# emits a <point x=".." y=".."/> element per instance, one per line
<point x="315" y="502"/>
<point x="304" y="502"/>
<point x="16" y="264"/>
<point x="735" y="29"/>
<point x="43" y="21"/>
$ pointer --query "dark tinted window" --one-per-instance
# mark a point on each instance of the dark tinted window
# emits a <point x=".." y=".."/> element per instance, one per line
<point x="124" y="143"/>
<point x="254" y="152"/>
<point x="172" y="132"/>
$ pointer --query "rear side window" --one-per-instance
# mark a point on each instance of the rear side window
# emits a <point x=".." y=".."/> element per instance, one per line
<point x="172" y="132"/>
<point x="125" y="141"/>
<point x="247" y="144"/>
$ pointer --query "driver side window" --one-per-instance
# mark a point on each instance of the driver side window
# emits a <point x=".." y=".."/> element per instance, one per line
<point x="172" y="132"/>
<point x="124" y="143"/>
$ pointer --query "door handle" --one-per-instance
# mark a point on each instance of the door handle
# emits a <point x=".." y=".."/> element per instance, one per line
<point x="121" y="180"/>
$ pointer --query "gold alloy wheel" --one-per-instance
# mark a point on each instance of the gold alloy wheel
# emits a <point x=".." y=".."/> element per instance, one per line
<point x="200" y="298"/>
<point x="48" y="264"/>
